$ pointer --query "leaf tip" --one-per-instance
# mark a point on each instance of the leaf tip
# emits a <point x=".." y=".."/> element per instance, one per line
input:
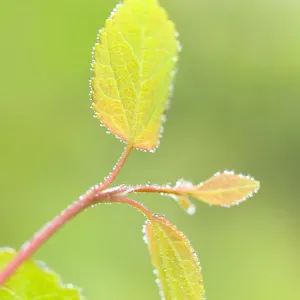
<point x="176" y="264"/>
<point x="185" y="203"/>
<point x="225" y="189"/>
<point x="133" y="64"/>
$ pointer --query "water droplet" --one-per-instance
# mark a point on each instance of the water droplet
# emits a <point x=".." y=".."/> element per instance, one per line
<point x="145" y="238"/>
<point x="227" y="172"/>
<point x="24" y="246"/>
<point x="179" y="46"/>
<point x="182" y="183"/>
<point x="175" y="59"/>
<point x="191" y="209"/>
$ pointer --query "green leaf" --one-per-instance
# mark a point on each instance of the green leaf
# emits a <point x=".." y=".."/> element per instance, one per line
<point x="224" y="189"/>
<point x="33" y="281"/>
<point x="133" y="66"/>
<point x="175" y="261"/>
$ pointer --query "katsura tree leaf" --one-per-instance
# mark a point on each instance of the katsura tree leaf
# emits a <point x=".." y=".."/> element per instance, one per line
<point x="133" y="66"/>
<point x="34" y="281"/>
<point x="177" y="266"/>
<point x="225" y="189"/>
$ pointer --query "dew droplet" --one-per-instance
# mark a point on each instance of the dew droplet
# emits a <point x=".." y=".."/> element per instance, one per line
<point x="191" y="209"/>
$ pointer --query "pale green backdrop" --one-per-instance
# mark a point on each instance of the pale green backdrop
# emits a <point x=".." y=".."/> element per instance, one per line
<point x="236" y="106"/>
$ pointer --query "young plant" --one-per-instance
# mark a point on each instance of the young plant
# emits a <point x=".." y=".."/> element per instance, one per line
<point x="134" y="65"/>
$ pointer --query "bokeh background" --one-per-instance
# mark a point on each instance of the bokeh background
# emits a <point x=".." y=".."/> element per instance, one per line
<point x="236" y="106"/>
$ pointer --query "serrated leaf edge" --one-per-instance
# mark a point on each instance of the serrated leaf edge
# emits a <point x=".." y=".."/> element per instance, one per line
<point x="195" y="256"/>
<point x="171" y="87"/>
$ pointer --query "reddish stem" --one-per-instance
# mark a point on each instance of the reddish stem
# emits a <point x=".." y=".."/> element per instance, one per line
<point x="59" y="221"/>
<point x="149" y="189"/>
<point x="128" y="201"/>
<point x="116" y="170"/>
<point x="156" y="189"/>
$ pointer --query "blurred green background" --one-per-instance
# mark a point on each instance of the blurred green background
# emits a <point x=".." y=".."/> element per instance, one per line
<point x="236" y="106"/>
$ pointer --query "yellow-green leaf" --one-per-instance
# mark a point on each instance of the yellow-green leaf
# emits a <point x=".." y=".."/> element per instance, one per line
<point x="34" y="282"/>
<point x="134" y="61"/>
<point x="225" y="189"/>
<point x="185" y="203"/>
<point x="177" y="266"/>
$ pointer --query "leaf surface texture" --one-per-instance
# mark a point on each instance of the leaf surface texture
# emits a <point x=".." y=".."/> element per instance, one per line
<point x="133" y="66"/>
<point x="177" y="266"/>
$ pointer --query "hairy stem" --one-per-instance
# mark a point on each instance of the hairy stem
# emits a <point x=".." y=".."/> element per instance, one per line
<point x="148" y="189"/>
<point x="128" y="201"/>
<point x="59" y="221"/>
<point x="116" y="170"/>
<point x="156" y="189"/>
